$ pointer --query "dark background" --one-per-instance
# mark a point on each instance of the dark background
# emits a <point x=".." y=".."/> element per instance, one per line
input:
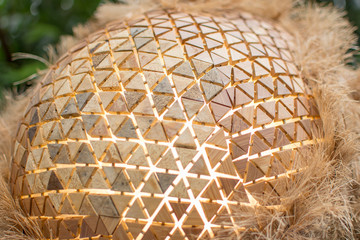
<point x="29" y="26"/>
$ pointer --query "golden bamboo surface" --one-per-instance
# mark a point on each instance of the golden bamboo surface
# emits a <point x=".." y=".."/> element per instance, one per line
<point x="160" y="127"/>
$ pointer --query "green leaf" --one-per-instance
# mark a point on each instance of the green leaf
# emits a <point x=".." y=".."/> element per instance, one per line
<point x="40" y="31"/>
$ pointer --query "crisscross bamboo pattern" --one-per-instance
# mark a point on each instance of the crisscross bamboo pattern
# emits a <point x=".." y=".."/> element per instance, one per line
<point x="158" y="128"/>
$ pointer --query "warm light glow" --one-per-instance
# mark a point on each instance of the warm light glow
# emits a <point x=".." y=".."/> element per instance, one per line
<point x="160" y="128"/>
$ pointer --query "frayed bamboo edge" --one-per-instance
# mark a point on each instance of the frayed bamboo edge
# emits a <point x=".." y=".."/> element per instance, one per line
<point x="322" y="53"/>
<point x="14" y="224"/>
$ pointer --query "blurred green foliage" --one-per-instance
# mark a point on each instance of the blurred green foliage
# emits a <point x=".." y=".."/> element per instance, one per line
<point x="31" y="25"/>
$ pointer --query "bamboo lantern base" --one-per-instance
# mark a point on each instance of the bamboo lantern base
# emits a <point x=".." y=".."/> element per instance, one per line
<point x="160" y="127"/>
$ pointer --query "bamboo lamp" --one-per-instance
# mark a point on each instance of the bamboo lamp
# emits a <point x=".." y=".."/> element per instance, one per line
<point x="157" y="128"/>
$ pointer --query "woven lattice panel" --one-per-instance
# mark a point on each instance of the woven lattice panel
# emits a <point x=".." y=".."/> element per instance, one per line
<point x="159" y="128"/>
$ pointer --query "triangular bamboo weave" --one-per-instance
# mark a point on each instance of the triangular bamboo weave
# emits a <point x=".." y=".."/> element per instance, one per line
<point x="158" y="128"/>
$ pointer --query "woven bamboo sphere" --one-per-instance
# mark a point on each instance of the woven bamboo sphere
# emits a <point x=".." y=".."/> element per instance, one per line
<point x="158" y="128"/>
